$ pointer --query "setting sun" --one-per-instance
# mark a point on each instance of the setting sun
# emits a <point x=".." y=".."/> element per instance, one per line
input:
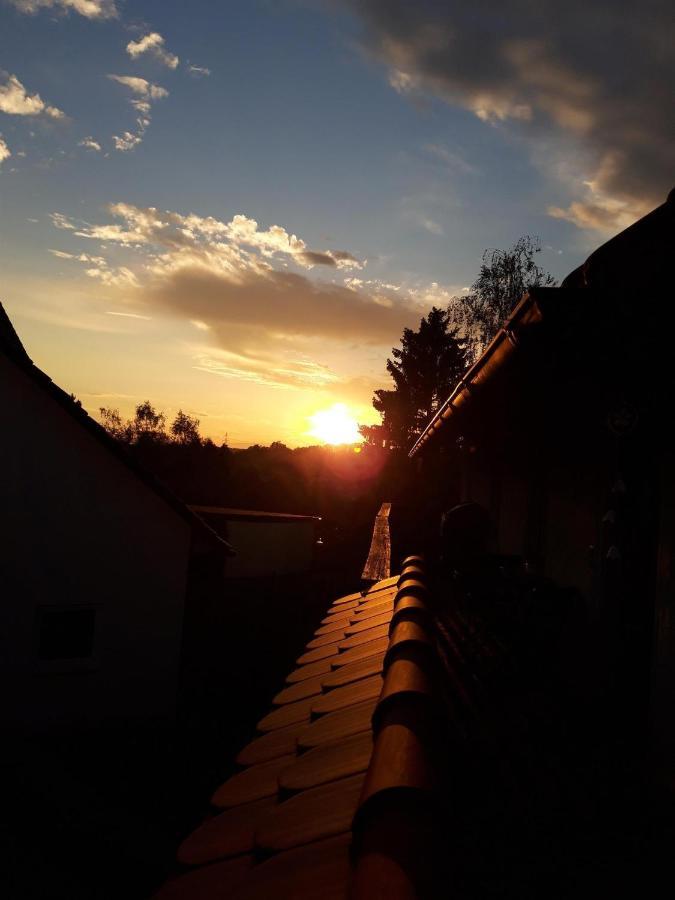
<point x="335" y="426"/>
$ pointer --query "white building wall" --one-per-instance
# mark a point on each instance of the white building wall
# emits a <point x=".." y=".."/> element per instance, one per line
<point x="79" y="530"/>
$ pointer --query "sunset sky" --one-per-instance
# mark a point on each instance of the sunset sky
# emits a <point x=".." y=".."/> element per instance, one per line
<point x="235" y="207"/>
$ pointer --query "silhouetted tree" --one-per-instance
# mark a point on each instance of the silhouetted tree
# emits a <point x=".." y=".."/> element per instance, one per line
<point x="424" y="369"/>
<point x="504" y="277"/>
<point x="113" y="424"/>
<point x="375" y="435"/>
<point x="148" y="424"/>
<point x="185" y="429"/>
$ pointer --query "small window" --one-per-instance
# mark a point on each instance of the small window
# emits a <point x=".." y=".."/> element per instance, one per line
<point x="66" y="633"/>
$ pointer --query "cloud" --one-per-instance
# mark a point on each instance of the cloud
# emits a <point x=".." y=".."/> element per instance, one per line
<point x="205" y="237"/>
<point x="141" y="86"/>
<point x="16" y="101"/>
<point x="282" y="304"/>
<point x="153" y="44"/>
<point x="128" y="315"/>
<point x="79" y="257"/>
<point x="598" y="212"/>
<point x="254" y="295"/>
<point x="267" y="369"/>
<point x="199" y="71"/>
<point x="61" y="221"/>
<point x="90" y="144"/>
<point x="600" y="78"/>
<point x="421" y="220"/>
<point x="5" y="152"/>
<point x="128" y="140"/>
<point x="224" y="274"/>
<point x="90" y="9"/>
<point x="120" y="276"/>
<point x="145" y="93"/>
<point x="450" y="160"/>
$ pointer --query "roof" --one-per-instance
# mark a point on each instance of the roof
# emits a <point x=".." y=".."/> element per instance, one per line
<point x="636" y="259"/>
<point x="11" y="346"/>
<point x="251" y="515"/>
<point x="338" y="755"/>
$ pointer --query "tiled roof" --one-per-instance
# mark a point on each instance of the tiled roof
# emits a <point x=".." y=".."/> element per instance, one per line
<point x="303" y="817"/>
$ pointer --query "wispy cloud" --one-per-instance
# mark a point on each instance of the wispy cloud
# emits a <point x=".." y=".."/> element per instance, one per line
<point x="5" y="152"/>
<point x="141" y="86"/>
<point x="267" y="369"/>
<point x="90" y="9"/>
<point x="145" y="92"/>
<point x="16" y="101"/>
<point x="421" y="220"/>
<point x="450" y="159"/>
<point x="153" y="44"/>
<point x="199" y="71"/>
<point x="128" y="315"/>
<point x="90" y="144"/>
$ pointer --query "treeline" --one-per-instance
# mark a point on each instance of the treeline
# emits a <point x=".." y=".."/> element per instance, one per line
<point x="338" y="483"/>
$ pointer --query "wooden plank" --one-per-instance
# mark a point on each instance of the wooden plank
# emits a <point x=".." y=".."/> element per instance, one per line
<point x="378" y="564"/>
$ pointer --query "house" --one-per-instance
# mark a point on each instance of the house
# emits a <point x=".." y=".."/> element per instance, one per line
<point x="95" y="563"/>
<point x="562" y="433"/>
<point x="268" y="543"/>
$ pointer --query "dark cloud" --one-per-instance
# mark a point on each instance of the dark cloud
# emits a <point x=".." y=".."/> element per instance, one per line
<point x="343" y="256"/>
<point x="329" y="258"/>
<point x="601" y="73"/>
<point x="279" y="303"/>
<point x="316" y="258"/>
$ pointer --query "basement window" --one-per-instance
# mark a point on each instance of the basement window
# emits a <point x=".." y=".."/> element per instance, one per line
<point x="66" y="633"/>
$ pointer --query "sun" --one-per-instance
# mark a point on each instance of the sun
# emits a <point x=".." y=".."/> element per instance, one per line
<point x="335" y="426"/>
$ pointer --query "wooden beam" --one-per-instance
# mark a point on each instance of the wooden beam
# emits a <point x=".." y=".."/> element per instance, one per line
<point x="378" y="563"/>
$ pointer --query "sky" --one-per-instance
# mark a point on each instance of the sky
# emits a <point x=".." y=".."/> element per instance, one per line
<point x="235" y="208"/>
